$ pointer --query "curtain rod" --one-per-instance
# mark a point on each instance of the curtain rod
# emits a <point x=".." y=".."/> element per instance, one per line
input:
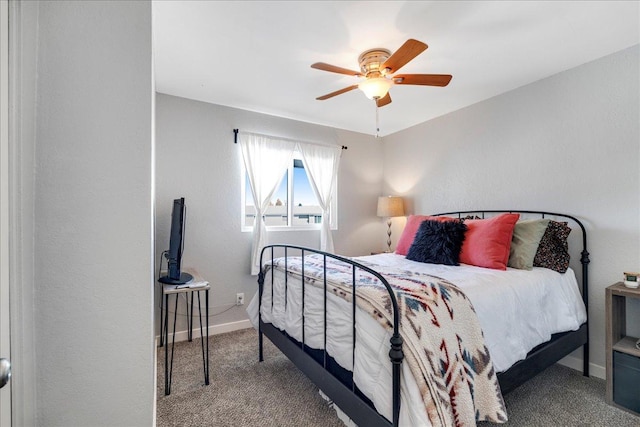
<point x="235" y="139"/>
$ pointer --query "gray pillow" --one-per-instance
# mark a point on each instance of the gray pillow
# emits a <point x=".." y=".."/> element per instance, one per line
<point x="524" y="242"/>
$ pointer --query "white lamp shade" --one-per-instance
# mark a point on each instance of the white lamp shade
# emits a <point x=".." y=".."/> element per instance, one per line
<point x="389" y="206"/>
<point x="375" y="88"/>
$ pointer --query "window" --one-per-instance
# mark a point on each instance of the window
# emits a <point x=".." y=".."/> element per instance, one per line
<point x="293" y="205"/>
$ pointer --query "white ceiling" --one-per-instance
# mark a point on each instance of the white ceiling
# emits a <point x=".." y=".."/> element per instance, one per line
<point x="256" y="55"/>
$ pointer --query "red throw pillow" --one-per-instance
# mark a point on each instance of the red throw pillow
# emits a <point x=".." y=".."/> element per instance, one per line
<point x="487" y="241"/>
<point x="410" y="230"/>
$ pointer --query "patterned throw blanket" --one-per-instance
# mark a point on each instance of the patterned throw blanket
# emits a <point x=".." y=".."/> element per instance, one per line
<point x="443" y="342"/>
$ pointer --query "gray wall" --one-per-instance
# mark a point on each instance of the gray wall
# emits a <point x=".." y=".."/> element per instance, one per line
<point x="93" y="280"/>
<point x="569" y="143"/>
<point x="197" y="159"/>
<point x="23" y="71"/>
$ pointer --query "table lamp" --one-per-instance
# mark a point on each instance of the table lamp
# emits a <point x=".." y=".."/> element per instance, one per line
<point x="390" y="206"/>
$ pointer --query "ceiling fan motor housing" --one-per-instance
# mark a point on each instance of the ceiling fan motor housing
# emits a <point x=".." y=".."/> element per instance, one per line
<point x="371" y="60"/>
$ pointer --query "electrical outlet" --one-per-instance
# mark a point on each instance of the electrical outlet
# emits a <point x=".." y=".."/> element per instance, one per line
<point x="239" y="299"/>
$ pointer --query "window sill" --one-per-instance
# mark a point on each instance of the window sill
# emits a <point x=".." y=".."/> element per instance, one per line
<point x="272" y="229"/>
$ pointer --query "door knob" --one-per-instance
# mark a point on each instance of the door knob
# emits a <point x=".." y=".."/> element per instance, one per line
<point x="5" y="372"/>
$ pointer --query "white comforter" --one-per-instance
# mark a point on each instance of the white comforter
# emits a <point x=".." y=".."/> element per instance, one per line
<point x="517" y="310"/>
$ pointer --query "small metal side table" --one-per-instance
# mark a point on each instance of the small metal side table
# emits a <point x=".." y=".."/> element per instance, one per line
<point x="196" y="286"/>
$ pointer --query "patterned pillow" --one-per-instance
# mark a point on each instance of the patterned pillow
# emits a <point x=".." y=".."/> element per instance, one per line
<point x="553" y="250"/>
<point x="438" y="242"/>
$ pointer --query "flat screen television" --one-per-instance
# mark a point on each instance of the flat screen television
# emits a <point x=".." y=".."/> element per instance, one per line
<point x="176" y="245"/>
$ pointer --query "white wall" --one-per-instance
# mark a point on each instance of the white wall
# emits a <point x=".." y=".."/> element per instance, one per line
<point x="569" y="143"/>
<point x="93" y="214"/>
<point x="197" y="159"/>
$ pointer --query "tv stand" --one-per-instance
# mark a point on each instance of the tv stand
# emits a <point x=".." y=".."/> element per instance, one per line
<point x="184" y="278"/>
<point x="197" y="285"/>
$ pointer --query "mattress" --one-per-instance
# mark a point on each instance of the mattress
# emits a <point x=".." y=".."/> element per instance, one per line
<point x="517" y="310"/>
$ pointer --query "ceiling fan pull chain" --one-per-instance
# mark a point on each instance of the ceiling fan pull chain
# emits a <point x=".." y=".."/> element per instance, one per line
<point x="377" y="120"/>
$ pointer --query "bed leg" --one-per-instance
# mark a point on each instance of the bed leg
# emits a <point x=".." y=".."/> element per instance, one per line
<point x="585" y="360"/>
<point x="260" y="288"/>
<point x="260" y="355"/>
<point x="396" y="355"/>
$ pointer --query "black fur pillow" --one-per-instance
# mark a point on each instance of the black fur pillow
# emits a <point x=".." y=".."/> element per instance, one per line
<point x="438" y="242"/>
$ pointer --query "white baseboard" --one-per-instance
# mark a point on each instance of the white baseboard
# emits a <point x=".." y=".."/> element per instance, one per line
<point x="576" y="363"/>
<point x="155" y="381"/>
<point x="230" y="327"/>
<point x="213" y="330"/>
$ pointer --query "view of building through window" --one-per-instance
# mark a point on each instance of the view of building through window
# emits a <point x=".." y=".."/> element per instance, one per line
<point x="304" y="208"/>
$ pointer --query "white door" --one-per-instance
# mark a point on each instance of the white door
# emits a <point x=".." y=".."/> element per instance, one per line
<point x="5" y="392"/>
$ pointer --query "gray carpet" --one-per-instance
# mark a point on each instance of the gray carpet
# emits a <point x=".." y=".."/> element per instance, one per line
<point x="244" y="392"/>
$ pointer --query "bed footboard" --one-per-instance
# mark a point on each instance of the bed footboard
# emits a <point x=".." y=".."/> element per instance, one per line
<point x="347" y="398"/>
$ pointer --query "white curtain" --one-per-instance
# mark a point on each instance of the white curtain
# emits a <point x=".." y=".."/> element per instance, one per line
<point x="266" y="160"/>
<point x="321" y="163"/>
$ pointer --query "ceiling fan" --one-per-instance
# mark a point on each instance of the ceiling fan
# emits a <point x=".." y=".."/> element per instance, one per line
<point x="378" y="67"/>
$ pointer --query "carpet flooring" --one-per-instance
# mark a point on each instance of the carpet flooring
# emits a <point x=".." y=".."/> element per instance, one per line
<point x="244" y="392"/>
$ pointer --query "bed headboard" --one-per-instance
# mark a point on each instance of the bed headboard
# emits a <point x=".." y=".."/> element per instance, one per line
<point x="584" y="254"/>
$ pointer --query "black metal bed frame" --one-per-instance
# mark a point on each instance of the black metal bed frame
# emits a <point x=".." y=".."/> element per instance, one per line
<point x="345" y="394"/>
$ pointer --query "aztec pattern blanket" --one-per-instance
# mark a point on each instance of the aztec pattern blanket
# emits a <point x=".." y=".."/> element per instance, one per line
<point x="443" y="342"/>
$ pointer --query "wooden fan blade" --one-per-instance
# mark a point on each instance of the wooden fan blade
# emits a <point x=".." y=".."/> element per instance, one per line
<point x="422" y="79"/>
<point x="409" y="50"/>
<point x="338" y="92"/>
<point x="333" y="69"/>
<point x="384" y="100"/>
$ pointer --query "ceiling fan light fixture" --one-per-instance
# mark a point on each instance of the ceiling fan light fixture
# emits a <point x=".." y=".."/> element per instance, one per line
<point x="375" y="88"/>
